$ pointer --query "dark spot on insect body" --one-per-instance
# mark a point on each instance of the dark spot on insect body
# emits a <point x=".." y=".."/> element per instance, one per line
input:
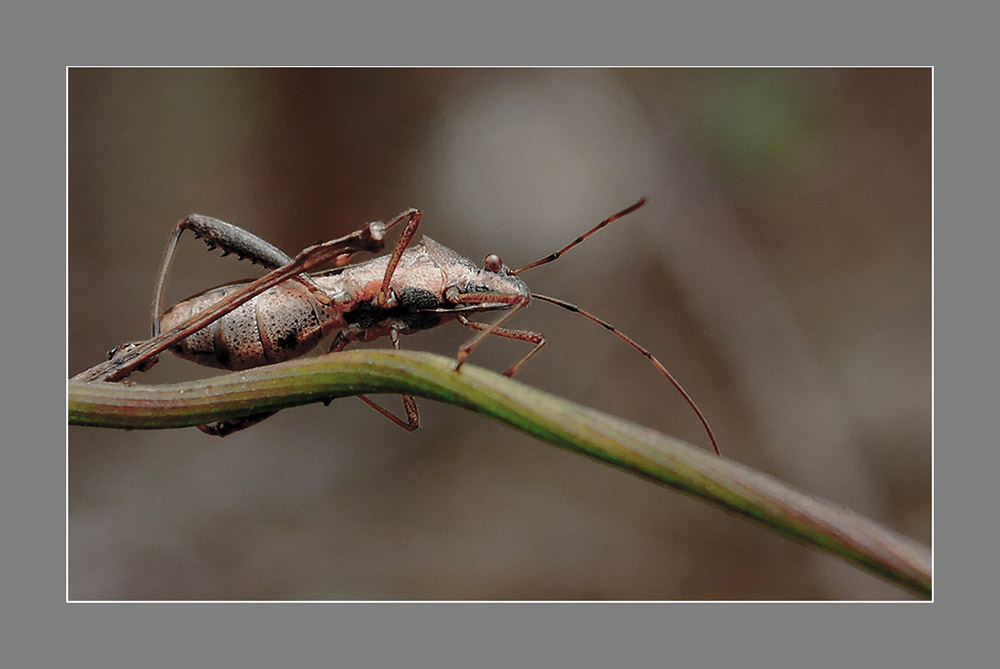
<point x="421" y="320"/>
<point x="288" y="341"/>
<point x="417" y="299"/>
<point x="365" y="314"/>
<point x="413" y="309"/>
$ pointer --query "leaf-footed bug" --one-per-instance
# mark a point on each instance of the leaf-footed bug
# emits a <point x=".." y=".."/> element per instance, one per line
<point x="290" y="311"/>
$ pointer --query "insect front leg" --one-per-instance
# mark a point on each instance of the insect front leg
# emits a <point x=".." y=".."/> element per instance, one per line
<point x="536" y="338"/>
<point x="516" y="302"/>
<point x="412" y="422"/>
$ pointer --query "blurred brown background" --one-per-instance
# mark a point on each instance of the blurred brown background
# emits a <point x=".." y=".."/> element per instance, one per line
<point x="781" y="270"/>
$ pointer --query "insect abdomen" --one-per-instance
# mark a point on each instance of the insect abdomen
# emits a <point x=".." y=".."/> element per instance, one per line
<point x="280" y="324"/>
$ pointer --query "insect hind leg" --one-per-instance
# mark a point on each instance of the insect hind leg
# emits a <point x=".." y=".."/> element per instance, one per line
<point x="216" y="233"/>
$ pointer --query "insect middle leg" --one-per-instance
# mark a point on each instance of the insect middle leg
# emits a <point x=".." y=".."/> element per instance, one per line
<point x="412" y="421"/>
<point x="384" y="299"/>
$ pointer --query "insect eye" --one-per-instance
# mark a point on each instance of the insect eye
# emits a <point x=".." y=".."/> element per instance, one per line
<point x="493" y="262"/>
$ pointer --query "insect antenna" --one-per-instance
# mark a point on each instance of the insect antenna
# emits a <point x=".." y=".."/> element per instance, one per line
<point x="641" y="349"/>
<point x="608" y="326"/>
<point x="610" y="219"/>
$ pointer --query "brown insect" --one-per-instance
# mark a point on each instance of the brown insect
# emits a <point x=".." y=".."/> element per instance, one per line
<point x="289" y="312"/>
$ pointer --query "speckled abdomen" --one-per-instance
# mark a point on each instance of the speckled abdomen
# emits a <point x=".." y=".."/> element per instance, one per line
<point x="282" y="323"/>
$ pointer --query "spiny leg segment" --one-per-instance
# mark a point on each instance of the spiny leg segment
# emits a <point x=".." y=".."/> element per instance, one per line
<point x="127" y="358"/>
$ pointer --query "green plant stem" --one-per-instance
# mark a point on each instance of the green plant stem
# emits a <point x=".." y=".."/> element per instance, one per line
<point x="619" y="443"/>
